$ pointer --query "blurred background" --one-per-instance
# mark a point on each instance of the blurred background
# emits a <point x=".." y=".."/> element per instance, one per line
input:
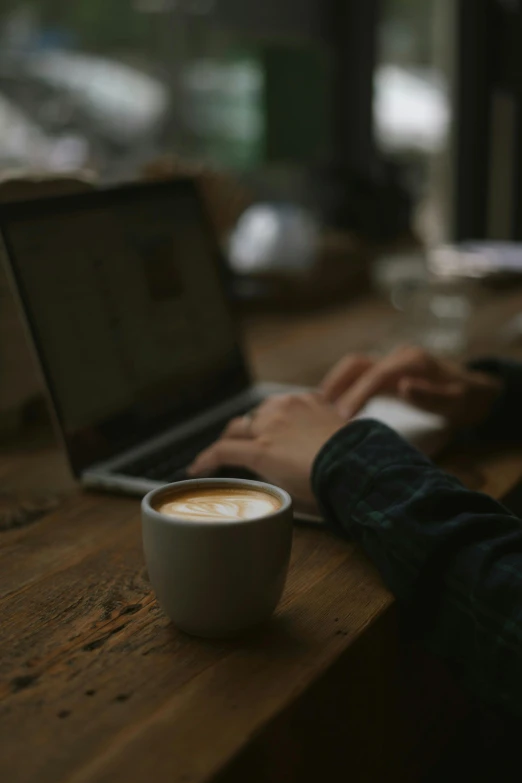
<point x="343" y="147"/>
<point x="304" y="100"/>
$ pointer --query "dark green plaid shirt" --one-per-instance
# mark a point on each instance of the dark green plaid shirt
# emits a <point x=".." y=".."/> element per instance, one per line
<point x="452" y="557"/>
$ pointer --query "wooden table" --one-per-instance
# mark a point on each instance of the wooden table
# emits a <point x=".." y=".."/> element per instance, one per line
<point x="97" y="686"/>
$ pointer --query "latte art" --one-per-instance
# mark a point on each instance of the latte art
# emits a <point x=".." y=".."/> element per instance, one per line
<point x="207" y="505"/>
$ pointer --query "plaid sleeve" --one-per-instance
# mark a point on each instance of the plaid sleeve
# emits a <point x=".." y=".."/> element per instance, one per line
<point x="452" y="557"/>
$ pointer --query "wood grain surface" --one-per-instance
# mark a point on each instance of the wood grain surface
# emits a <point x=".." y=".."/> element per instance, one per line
<point x="96" y="686"/>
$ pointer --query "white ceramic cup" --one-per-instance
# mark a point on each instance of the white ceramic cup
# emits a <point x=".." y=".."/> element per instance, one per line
<point x="217" y="578"/>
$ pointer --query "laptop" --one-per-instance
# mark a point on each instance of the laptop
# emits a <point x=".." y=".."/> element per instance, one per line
<point x="125" y="295"/>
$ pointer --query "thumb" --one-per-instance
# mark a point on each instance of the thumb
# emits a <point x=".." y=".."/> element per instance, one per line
<point x="442" y="399"/>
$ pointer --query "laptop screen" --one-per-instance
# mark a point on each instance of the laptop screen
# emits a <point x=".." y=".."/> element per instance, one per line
<point x="124" y="293"/>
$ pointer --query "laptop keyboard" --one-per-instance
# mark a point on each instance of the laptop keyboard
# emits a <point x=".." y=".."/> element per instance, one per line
<point x="169" y="463"/>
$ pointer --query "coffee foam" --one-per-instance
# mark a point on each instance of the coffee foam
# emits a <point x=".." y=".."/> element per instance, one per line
<point x="218" y="504"/>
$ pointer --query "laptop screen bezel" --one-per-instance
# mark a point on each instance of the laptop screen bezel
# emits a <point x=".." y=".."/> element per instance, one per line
<point x="105" y="440"/>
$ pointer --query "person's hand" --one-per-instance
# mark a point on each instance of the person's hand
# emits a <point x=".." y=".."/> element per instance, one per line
<point x="279" y="442"/>
<point x="464" y="397"/>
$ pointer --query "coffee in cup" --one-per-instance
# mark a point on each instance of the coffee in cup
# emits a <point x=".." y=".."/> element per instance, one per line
<point x="217" y="552"/>
<point x="218" y="504"/>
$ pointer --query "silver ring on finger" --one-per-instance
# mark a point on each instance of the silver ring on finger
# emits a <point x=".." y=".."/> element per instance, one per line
<point x="248" y="420"/>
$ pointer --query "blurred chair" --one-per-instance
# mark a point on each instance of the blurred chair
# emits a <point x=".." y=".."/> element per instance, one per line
<point x="20" y="383"/>
<point x="224" y="196"/>
<point x="341" y="270"/>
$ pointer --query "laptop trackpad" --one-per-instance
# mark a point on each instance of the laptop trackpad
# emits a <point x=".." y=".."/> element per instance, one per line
<point x="426" y="431"/>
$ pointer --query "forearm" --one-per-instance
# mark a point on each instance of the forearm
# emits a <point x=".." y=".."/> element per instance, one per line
<point x="452" y="557"/>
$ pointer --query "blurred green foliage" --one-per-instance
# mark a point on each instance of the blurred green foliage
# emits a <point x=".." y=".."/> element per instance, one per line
<point x="98" y="24"/>
<point x="102" y="24"/>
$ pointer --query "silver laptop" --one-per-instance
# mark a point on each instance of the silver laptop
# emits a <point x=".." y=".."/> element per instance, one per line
<point x="125" y="295"/>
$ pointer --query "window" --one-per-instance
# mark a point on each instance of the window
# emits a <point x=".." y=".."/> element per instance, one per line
<point x="112" y="84"/>
<point x="412" y="108"/>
